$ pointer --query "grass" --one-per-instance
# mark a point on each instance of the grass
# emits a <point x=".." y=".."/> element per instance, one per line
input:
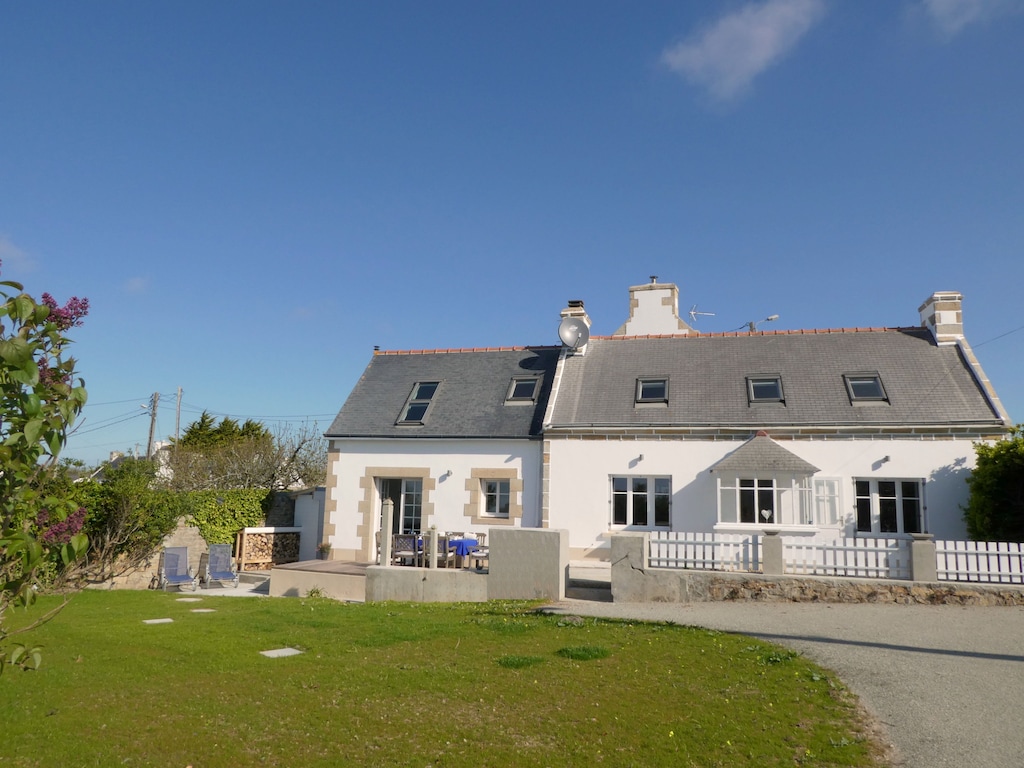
<point x="494" y="684"/>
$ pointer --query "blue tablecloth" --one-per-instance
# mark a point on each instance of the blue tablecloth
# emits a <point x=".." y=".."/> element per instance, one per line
<point x="462" y="547"/>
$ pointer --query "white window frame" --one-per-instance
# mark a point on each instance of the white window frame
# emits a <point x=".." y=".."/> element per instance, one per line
<point x="492" y="491"/>
<point x="796" y="501"/>
<point x="624" y="491"/>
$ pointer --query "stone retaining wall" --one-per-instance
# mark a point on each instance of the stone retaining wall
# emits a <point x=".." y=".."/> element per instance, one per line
<point x="822" y="590"/>
<point x="633" y="581"/>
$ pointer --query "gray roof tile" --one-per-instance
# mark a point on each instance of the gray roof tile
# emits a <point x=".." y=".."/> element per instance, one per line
<point x="763" y="453"/>
<point x="468" y="403"/>
<point x="925" y="383"/>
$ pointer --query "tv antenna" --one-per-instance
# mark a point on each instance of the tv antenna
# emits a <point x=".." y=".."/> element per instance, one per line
<point x="694" y="314"/>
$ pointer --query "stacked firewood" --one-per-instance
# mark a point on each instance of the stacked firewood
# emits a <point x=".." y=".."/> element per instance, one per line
<point x="263" y="549"/>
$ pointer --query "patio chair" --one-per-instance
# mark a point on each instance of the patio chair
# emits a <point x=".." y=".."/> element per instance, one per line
<point x="480" y="551"/>
<point x="174" y="570"/>
<point x="218" y="565"/>
<point x="445" y="555"/>
<point x="405" y="549"/>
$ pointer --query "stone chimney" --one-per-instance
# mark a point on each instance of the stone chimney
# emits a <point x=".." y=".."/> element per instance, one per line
<point x="941" y="315"/>
<point x="575" y="309"/>
<point x="572" y="336"/>
<point x="654" y="311"/>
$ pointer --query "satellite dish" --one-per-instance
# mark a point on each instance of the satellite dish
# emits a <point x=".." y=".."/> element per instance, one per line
<point x="573" y="332"/>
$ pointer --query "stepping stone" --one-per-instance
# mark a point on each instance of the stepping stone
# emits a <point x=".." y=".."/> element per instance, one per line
<point x="157" y="621"/>
<point x="189" y="600"/>
<point x="278" y="653"/>
<point x="203" y="610"/>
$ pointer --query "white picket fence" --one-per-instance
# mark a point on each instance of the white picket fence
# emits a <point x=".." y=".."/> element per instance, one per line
<point x="705" y="551"/>
<point x="864" y="558"/>
<point x="860" y="557"/>
<point x="996" y="562"/>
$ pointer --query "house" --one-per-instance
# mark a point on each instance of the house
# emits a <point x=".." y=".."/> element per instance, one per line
<point x="818" y="433"/>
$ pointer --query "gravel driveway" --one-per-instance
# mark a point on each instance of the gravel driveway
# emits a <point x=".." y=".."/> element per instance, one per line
<point x="947" y="682"/>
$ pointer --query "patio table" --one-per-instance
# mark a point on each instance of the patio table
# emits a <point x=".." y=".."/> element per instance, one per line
<point x="462" y="547"/>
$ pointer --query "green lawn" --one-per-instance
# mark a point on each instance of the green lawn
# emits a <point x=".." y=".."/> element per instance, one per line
<point x="388" y="684"/>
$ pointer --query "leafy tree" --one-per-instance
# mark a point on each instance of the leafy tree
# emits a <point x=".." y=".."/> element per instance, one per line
<point x="39" y="401"/>
<point x="205" y="433"/>
<point x="128" y="518"/>
<point x="224" y="456"/>
<point x="995" y="509"/>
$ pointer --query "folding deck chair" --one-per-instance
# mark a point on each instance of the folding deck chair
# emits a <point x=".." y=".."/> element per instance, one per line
<point x="218" y="565"/>
<point x="174" y="570"/>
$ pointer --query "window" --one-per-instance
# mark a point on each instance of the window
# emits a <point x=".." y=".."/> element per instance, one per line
<point x="889" y="506"/>
<point x="757" y="501"/>
<point x="642" y="501"/>
<point x="419" y="400"/>
<point x="407" y="496"/>
<point x="864" y="387"/>
<point x="790" y="500"/>
<point x="764" y="389"/>
<point x="522" y="389"/>
<point x="652" y="390"/>
<point x="496" y="497"/>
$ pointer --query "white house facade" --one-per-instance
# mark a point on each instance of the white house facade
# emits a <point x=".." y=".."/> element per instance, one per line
<point x="823" y="433"/>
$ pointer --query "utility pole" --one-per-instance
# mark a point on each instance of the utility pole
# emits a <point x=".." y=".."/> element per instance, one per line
<point x="152" y="425"/>
<point x="177" y="422"/>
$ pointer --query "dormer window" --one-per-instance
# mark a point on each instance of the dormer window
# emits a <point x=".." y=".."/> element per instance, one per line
<point x="864" y="387"/>
<point x="523" y="389"/>
<point x="419" y="401"/>
<point x="651" y="390"/>
<point x="764" y="389"/>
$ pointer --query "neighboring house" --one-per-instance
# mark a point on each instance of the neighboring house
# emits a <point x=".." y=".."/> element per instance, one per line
<point x="821" y="433"/>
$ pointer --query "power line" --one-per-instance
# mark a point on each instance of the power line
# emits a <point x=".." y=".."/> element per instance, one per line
<point x="100" y="426"/>
<point x="1000" y="336"/>
<point x="223" y="414"/>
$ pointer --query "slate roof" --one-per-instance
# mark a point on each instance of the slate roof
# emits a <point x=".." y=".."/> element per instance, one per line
<point x="763" y="453"/>
<point x="469" y="403"/>
<point x="925" y="383"/>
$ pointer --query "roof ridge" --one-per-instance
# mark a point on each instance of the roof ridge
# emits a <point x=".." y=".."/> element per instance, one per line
<point x="457" y="350"/>
<point x="791" y="332"/>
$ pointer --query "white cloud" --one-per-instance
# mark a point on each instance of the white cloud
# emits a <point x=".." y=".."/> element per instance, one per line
<point x="13" y="259"/>
<point x="951" y="16"/>
<point x="136" y="285"/>
<point x="726" y="56"/>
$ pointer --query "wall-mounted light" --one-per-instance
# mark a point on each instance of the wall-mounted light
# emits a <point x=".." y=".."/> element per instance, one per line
<point x="640" y="457"/>
<point x="885" y="459"/>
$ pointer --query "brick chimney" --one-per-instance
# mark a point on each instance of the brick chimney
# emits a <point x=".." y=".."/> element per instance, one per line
<point x="941" y="315"/>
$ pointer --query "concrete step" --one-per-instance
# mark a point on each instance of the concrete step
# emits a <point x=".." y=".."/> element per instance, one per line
<point x="596" y="590"/>
<point x="593" y="594"/>
<point x="253" y="577"/>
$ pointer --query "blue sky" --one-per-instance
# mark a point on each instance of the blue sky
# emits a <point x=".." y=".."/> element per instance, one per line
<point x="253" y="195"/>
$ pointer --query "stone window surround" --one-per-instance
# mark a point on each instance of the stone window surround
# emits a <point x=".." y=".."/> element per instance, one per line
<point x="369" y="504"/>
<point x="475" y="505"/>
